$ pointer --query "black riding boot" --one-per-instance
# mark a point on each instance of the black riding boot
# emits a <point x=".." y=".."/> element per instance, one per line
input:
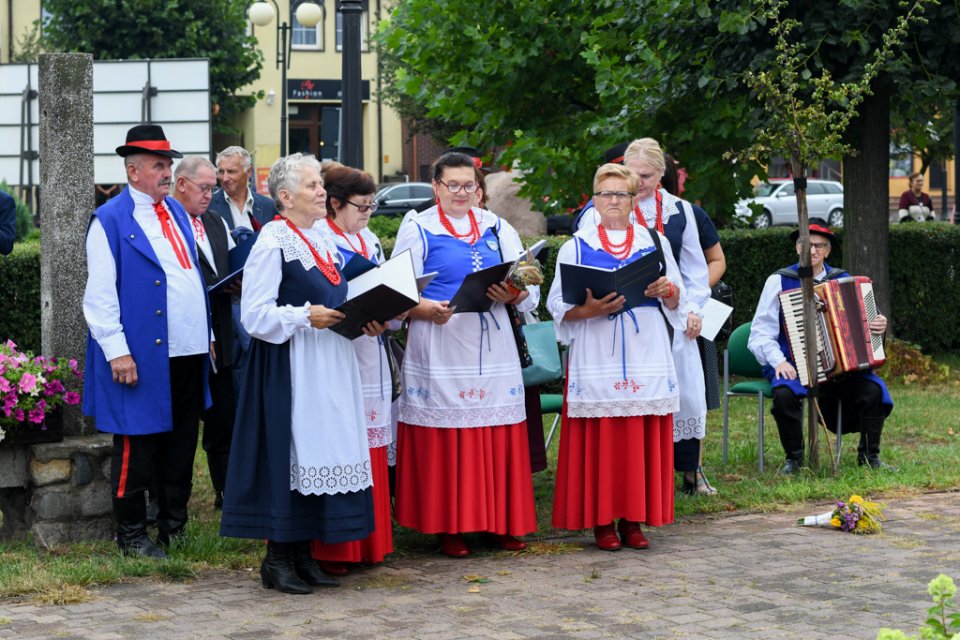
<point x="869" y="450"/>
<point x="132" y="538"/>
<point x="172" y="516"/>
<point x="277" y="570"/>
<point x="308" y="569"/>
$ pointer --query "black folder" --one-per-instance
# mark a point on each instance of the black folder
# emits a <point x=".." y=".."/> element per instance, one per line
<point x="237" y="258"/>
<point x="472" y="294"/>
<point x="629" y="281"/>
<point x="380" y="294"/>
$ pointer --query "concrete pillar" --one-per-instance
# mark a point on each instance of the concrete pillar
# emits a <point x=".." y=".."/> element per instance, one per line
<point x="66" y="202"/>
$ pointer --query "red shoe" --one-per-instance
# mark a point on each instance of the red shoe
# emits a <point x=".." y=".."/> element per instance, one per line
<point x="606" y="537"/>
<point x="334" y="567"/>
<point x="451" y="544"/>
<point x="509" y="543"/>
<point x="631" y="535"/>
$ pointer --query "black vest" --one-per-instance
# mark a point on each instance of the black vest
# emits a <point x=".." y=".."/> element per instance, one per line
<point x="219" y="303"/>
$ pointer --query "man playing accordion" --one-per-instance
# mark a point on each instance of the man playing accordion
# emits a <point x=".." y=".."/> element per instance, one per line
<point x="865" y="399"/>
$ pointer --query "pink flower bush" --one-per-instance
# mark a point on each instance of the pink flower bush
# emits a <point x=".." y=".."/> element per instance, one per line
<point x="31" y="386"/>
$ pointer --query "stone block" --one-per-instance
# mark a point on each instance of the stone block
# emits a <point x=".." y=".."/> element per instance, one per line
<point x="82" y="469"/>
<point x="95" y="499"/>
<point x="105" y="469"/>
<point x="97" y="446"/>
<point x="13" y="467"/>
<point x="53" y="534"/>
<point x="53" y="503"/>
<point x="44" y="473"/>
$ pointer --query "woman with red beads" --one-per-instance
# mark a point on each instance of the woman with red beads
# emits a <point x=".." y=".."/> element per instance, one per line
<point x="349" y="207"/>
<point x="299" y="462"/>
<point x="616" y="447"/>
<point x="463" y="462"/>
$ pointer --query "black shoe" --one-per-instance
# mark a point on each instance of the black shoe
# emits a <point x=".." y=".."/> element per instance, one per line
<point x="791" y="467"/>
<point x="277" y="570"/>
<point x="142" y="547"/>
<point x="218" y="500"/>
<point x="307" y="568"/>
<point x="131" y="515"/>
<point x="689" y="486"/>
<point x="875" y="463"/>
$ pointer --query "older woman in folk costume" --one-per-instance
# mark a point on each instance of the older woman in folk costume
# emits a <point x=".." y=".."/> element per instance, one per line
<point x="299" y="462"/>
<point x="676" y="219"/>
<point x="349" y="207"/>
<point x="462" y="457"/>
<point x="616" y="448"/>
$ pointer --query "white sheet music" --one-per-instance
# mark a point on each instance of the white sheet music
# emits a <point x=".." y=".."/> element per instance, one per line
<point x="715" y="313"/>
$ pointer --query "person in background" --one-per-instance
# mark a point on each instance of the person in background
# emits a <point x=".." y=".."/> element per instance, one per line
<point x="697" y="483"/>
<point x="915" y="205"/>
<point x="299" y="465"/>
<point x="866" y="400"/>
<point x="194" y="180"/>
<point x="463" y="462"/>
<point x="616" y="446"/>
<point x="8" y="223"/>
<point x="349" y="207"/>
<point x="149" y="342"/>
<point x="245" y="212"/>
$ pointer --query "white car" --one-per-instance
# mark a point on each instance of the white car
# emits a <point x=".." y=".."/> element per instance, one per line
<point x="779" y="201"/>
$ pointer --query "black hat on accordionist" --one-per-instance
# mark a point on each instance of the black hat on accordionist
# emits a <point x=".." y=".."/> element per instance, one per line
<point x="819" y="227"/>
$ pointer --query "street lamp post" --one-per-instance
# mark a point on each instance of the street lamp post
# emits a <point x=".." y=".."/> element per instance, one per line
<point x="351" y="118"/>
<point x="308" y="14"/>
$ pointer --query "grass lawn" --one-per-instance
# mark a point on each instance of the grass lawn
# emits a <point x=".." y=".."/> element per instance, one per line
<point x="922" y="438"/>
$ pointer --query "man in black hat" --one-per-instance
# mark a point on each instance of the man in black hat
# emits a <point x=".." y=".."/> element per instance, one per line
<point x="866" y="400"/>
<point x="148" y="346"/>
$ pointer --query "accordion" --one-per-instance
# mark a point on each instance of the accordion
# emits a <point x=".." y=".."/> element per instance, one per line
<point x="844" y="309"/>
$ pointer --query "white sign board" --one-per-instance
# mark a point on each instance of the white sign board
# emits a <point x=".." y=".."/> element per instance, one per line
<point x="174" y="94"/>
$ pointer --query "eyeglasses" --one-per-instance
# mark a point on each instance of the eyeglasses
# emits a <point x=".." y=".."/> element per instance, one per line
<point x="613" y="195"/>
<point x="204" y="188"/>
<point x="363" y="208"/>
<point x="455" y="187"/>
<point x="819" y="246"/>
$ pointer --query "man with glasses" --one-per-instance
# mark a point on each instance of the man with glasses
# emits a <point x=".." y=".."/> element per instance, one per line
<point x="865" y="398"/>
<point x="194" y="181"/>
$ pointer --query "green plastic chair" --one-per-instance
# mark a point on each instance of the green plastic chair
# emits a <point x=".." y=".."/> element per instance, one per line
<point x="737" y="360"/>
<point x="551" y="403"/>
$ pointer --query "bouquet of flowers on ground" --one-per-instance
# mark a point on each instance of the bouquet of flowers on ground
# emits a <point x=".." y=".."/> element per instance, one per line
<point x="856" y="515"/>
<point x="30" y="386"/>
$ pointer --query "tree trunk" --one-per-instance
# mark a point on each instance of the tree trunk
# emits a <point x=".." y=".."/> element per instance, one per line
<point x="866" y="195"/>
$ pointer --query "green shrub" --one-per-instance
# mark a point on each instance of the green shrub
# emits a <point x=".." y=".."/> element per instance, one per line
<point x="924" y="276"/>
<point x="20" y="289"/>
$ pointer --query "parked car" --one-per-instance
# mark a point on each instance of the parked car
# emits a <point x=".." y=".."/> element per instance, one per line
<point x="398" y="198"/>
<point x="779" y="201"/>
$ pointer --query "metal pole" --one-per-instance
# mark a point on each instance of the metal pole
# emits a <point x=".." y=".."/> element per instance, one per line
<point x="351" y="153"/>
<point x="284" y="61"/>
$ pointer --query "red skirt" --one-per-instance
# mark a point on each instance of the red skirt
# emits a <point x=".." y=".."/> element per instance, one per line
<point x="378" y="544"/>
<point x="460" y="480"/>
<point x="612" y="468"/>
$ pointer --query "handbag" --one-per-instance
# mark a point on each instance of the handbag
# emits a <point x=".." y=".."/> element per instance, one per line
<point x="723" y="292"/>
<point x="394" y="363"/>
<point x="542" y="345"/>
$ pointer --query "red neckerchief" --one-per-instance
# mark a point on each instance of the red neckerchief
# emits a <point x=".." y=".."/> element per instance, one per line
<point x="166" y="225"/>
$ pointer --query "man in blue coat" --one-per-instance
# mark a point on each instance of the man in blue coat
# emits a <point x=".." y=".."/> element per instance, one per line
<point x="149" y="341"/>
<point x="866" y="400"/>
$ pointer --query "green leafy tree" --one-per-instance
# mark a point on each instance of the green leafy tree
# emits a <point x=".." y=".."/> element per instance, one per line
<point x="138" y="29"/>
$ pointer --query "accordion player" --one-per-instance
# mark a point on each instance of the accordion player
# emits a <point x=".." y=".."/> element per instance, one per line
<point x="852" y="346"/>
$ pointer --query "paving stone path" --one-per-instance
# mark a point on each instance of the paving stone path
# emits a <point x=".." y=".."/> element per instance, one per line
<point x="741" y="576"/>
